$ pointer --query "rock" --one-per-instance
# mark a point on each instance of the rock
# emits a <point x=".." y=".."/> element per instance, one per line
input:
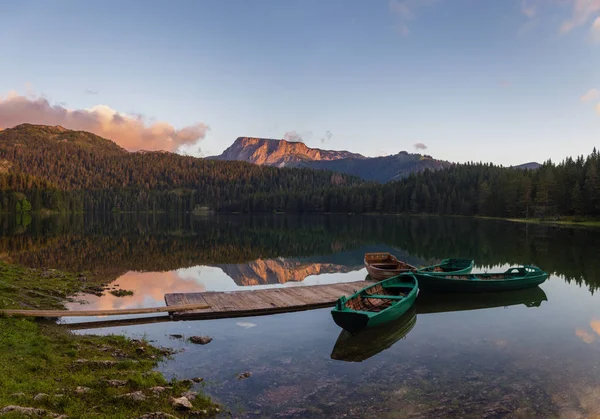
<point x="200" y="340"/>
<point x="27" y="411"/>
<point x="187" y="383"/>
<point x="197" y="379"/>
<point x="136" y="396"/>
<point x="244" y="375"/>
<point x="157" y="415"/>
<point x="176" y="336"/>
<point x="159" y="389"/>
<point x="140" y="350"/>
<point x="82" y="390"/>
<point x="96" y="363"/>
<point x="190" y="395"/>
<point x="18" y="395"/>
<point x="181" y="403"/>
<point x="116" y="383"/>
<point x="40" y="397"/>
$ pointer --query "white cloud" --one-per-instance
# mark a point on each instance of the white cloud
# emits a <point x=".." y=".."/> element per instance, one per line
<point x="595" y="31"/>
<point x="583" y="10"/>
<point x="404" y="12"/>
<point x="591" y="95"/>
<point x="129" y="131"/>
<point x="529" y="8"/>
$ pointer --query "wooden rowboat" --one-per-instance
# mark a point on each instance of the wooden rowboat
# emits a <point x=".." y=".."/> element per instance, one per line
<point x="369" y="342"/>
<point x="376" y="304"/>
<point x="513" y="279"/>
<point x="384" y="265"/>
<point x="446" y="266"/>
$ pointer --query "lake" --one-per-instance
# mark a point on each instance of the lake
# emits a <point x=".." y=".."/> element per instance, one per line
<point x="516" y="354"/>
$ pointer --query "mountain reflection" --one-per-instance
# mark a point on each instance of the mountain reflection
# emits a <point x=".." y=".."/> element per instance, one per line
<point x="280" y="271"/>
<point x="282" y="249"/>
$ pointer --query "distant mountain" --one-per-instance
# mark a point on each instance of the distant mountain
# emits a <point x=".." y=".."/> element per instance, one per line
<point x="380" y="169"/>
<point x="281" y="153"/>
<point x="529" y="166"/>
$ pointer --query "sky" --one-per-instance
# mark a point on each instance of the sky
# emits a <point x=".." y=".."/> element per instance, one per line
<point x="503" y="81"/>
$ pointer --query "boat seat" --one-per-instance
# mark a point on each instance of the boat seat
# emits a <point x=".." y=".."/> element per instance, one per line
<point x="387" y="297"/>
<point x="400" y="285"/>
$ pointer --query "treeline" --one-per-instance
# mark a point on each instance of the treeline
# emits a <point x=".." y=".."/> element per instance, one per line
<point x="571" y="187"/>
<point x="84" y="172"/>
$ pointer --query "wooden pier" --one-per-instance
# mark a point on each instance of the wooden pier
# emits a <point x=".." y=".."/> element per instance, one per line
<point x="261" y="302"/>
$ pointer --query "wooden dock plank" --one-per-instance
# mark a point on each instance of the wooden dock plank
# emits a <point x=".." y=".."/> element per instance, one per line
<point x="260" y="302"/>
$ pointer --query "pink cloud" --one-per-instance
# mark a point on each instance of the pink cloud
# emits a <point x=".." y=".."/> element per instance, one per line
<point x="591" y="95"/>
<point x="583" y="10"/>
<point x="595" y="32"/>
<point x="130" y="132"/>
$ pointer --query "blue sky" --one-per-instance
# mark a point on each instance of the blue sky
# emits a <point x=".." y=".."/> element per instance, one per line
<point x="488" y="80"/>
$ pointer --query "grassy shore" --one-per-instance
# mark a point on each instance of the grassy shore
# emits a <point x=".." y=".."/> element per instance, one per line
<point x="46" y="367"/>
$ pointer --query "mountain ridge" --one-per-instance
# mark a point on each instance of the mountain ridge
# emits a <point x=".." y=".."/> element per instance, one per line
<point x="278" y="153"/>
<point x="282" y="153"/>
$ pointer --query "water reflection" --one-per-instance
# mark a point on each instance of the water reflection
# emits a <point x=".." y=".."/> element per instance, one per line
<point x="369" y="342"/>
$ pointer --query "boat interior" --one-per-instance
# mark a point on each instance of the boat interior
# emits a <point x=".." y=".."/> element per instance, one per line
<point x="378" y="297"/>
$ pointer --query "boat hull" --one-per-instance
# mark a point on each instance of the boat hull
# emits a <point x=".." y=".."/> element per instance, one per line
<point x="369" y="342"/>
<point x="449" y="266"/>
<point x="382" y="274"/>
<point x="477" y="283"/>
<point x="356" y="320"/>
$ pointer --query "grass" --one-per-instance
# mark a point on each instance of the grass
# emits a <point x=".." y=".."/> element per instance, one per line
<point x="121" y="293"/>
<point x="72" y="372"/>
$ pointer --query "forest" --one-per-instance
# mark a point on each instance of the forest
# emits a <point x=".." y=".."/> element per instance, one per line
<point x="570" y="188"/>
<point x="53" y="169"/>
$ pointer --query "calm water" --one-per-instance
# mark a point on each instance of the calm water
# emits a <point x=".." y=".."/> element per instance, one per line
<point x="525" y="354"/>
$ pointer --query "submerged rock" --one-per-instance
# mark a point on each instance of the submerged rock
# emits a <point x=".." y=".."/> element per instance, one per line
<point x="197" y="379"/>
<point x="200" y="340"/>
<point x="176" y="336"/>
<point x="244" y="375"/>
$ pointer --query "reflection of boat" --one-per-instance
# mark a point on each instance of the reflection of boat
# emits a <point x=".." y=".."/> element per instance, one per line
<point x="384" y="265"/>
<point x="376" y="304"/>
<point x="512" y="279"/>
<point x="453" y="265"/>
<point x="369" y="342"/>
<point x="441" y="303"/>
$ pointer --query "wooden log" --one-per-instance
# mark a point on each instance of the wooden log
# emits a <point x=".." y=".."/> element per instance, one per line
<point x="83" y="313"/>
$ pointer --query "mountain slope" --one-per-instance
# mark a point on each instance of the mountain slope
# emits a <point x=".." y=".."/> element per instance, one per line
<point x="66" y="170"/>
<point x="380" y="169"/>
<point x="280" y="153"/>
<point x="528" y="166"/>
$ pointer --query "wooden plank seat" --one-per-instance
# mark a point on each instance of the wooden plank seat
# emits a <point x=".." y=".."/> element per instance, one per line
<point x="389" y="297"/>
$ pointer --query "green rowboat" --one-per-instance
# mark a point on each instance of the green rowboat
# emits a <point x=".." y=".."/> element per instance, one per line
<point x="369" y="342"/>
<point x="376" y="304"/>
<point x="446" y="266"/>
<point x="513" y="279"/>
